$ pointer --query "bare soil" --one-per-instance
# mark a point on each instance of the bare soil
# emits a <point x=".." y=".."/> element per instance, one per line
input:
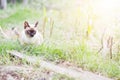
<point x="29" y="73"/>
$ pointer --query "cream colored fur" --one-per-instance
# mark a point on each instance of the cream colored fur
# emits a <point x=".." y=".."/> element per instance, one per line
<point x="37" y="39"/>
<point x="25" y="39"/>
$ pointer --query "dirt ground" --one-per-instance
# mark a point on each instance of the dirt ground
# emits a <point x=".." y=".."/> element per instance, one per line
<point x="28" y="73"/>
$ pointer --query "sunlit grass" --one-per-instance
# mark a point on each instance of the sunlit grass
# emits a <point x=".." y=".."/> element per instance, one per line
<point x="77" y="54"/>
<point x="16" y="18"/>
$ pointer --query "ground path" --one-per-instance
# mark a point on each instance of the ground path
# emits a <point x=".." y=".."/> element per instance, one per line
<point x="77" y="75"/>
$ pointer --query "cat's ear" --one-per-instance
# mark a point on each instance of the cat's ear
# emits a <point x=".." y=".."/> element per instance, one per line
<point x="26" y="24"/>
<point x="36" y="24"/>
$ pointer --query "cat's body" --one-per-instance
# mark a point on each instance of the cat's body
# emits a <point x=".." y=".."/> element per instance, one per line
<point x="30" y="34"/>
<point x="37" y="39"/>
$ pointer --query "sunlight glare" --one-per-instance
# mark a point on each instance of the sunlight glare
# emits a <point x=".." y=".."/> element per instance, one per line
<point x="106" y="7"/>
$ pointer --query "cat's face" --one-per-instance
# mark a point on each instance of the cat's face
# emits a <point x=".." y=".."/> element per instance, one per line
<point x="30" y="30"/>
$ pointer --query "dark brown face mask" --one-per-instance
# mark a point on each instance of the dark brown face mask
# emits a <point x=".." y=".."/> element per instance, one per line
<point x="31" y="32"/>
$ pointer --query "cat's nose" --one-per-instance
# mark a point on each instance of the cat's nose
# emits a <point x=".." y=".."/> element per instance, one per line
<point x="32" y="35"/>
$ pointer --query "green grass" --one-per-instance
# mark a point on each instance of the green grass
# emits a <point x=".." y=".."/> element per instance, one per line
<point x="17" y="17"/>
<point x="75" y="54"/>
<point x="60" y="46"/>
